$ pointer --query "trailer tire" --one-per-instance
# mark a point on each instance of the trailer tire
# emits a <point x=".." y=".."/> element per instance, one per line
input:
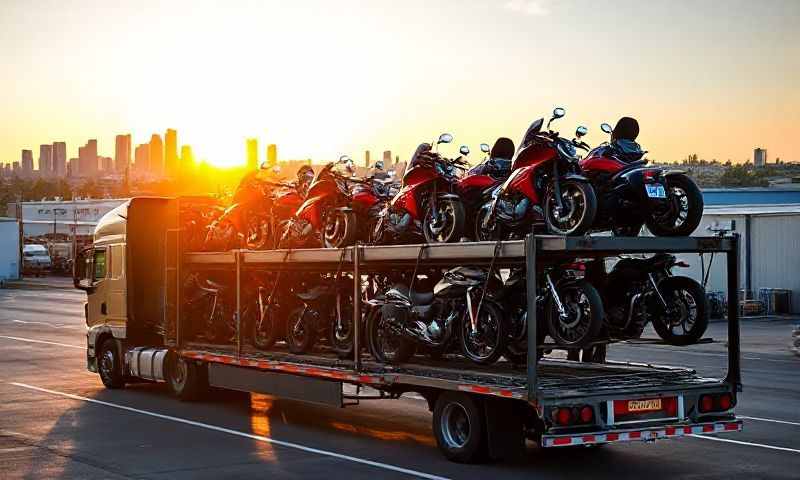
<point x="109" y="364"/>
<point x="458" y="424"/>
<point x="187" y="380"/>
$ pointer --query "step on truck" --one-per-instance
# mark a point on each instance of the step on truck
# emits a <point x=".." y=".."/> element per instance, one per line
<point x="138" y="328"/>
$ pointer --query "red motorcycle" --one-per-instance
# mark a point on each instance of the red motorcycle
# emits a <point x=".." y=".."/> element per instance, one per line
<point x="631" y="194"/>
<point x="545" y="187"/>
<point x="325" y="218"/>
<point x="477" y="186"/>
<point x="427" y="207"/>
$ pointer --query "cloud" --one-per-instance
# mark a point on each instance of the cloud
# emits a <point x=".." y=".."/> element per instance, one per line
<point x="527" y="7"/>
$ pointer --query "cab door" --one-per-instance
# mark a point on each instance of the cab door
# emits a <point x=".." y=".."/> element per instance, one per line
<point x="90" y="275"/>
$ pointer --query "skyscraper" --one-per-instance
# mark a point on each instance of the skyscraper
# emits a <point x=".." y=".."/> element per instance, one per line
<point x="387" y="158"/>
<point x="272" y="154"/>
<point x="760" y="157"/>
<point x="87" y="159"/>
<point x="366" y="159"/>
<point x="187" y="159"/>
<point x="45" y="160"/>
<point x="171" y="153"/>
<point x="252" y="153"/>
<point x="27" y="163"/>
<point x="59" y="159"/>
<point x="156" y="155"/>
<point x="142" y="159"/>
<point x="122" y="153"/>
<point x="106" y="164"/>
<point x="72" y="166"/>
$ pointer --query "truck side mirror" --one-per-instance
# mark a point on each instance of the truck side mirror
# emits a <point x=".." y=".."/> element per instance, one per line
<point x="82" y="271"/>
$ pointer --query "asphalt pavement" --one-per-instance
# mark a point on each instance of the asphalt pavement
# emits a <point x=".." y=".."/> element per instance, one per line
<point x="58" y="421"/>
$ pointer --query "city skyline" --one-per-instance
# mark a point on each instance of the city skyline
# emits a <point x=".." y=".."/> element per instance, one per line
<point x="374" y="78"/>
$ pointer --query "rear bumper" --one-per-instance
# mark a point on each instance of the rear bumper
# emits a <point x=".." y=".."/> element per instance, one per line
<point x="640" y="434"/>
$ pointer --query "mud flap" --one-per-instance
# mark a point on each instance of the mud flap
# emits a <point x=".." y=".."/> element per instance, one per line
<point x="504" y="429"/>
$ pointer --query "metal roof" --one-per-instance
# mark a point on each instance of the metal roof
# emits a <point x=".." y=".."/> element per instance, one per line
<point x="780" y="209"/>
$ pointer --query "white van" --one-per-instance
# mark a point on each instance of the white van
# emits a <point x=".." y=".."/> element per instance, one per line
<point x="35" y="259"/>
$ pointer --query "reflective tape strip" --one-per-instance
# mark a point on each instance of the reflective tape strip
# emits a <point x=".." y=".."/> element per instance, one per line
<point x="499" y="392"/>
<point x="641" y="435"/>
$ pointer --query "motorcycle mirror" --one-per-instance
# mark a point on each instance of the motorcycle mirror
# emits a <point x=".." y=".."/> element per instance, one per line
<point x="391" y="173"/>
<point x="606" y="128"/>
<point x="445" y="138"/>
<point x="581" y="131"/>
<point x="559" y="112"/>
<point x="379" y="165"/>
<point x="485" y="147"/>
<point x="263" y="166"/>
<point x="464" y="150"/>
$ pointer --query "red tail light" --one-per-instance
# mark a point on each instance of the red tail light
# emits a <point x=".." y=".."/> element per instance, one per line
<point x="706" y="403"/>
<point x="587" y="414"/>
<point x="725" y="401"/>
<point x="651" y="175"/>
<point x="564" y="416"/>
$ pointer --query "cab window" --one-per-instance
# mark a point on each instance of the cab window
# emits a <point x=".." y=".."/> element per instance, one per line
<point x="99" y="260"/>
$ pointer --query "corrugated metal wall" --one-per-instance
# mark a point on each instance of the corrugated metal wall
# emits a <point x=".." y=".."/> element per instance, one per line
<point x="9" y="250"/>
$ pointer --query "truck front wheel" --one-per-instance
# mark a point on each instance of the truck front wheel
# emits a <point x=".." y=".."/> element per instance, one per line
<point x="109" y="364"/>
<point x="458" y="423"/>
<point x="187" y="380"/>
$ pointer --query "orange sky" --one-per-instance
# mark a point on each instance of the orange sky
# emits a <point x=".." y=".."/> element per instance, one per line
<point x="321" y="78"/>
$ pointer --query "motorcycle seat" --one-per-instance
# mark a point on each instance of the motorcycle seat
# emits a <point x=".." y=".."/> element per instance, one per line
<point x="416" y="297"/>
<point x="650" y="264"/>
<point x="314" y="293"/>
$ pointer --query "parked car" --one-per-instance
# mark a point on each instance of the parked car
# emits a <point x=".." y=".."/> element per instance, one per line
<point x="35" y="259"/>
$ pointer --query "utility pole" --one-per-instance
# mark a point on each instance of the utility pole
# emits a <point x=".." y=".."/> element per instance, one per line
<point x="21" y="232"/>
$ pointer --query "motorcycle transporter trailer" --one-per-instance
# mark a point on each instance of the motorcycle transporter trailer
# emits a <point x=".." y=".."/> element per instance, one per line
<point x="133" y="277"/>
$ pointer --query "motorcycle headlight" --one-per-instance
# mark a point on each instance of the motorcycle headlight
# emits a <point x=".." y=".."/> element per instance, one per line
<point x="566" y="149"/>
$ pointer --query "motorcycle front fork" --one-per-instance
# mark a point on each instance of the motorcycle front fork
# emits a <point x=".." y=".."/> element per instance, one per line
<point x="554" y="293"/>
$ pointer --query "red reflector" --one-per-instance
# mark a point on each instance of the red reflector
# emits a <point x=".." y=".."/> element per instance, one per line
<point x="562" y="441"/>
<point x="650" y="174"/>
<point x="611" y="437"/>
<point x="671" y="406"/>
<point x="708" y="428"/>
<point x="564" y="416"/>
<point x="706" y="403"/>
<point x="586" y="414"/>
<point x="725" y="401"/>
<point x="670" y="431"/>
<point x="634" y="434"/>
<point x="731" y="426"/>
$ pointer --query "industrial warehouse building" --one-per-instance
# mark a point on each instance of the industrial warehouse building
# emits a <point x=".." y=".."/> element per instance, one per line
<point x="769" y="248"/>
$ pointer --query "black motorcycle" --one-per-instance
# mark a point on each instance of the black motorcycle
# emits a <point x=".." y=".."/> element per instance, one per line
<point x="638" y="291"/>
<point x="210" y="309"/>
<point x="327" y="307"/>
<point x="458" y="310"/>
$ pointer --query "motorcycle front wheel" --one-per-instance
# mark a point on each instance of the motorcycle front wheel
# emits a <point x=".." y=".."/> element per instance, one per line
<point x="488" y="342"/>
<point x="384" y="344"/>
<point x="583" y="315"/>
<point x="340" y="229"/>
<point x="341" y="333"/>
<point x="685" y="319"/>
<point x="301" y="329"/>
<point x="485" y="229"/>
<point x="265" y="325"/>
<point x="448" y="227"/>
<point x="579" y="206"/>
<point x="683" y="212"/>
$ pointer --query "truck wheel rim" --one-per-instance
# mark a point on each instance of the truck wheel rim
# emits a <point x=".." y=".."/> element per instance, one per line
<point x="455" y="425"/>
<point x="179" y="374"/>
<point x="107" y="364"/>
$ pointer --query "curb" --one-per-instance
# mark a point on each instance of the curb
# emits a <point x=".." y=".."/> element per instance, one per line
<point x="22" y="285"/>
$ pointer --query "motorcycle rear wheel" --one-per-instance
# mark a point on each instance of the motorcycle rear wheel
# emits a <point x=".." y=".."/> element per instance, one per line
<point x="265" y="328"/>
<point x="483" y="233"/>
<point x="301" y="330"/>
<point x="685" y="210"/>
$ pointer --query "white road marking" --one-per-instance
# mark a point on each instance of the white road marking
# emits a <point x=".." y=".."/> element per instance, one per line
<point x="237" y="433"/>
<point x="60" y="325"/>
<point x="31" y="340"/>
<point x="772" y="420"/>
<point x="749" y="444"/>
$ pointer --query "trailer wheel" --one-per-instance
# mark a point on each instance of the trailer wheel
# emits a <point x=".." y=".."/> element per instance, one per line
<point x="109" y="364"/>
<point x="458" y="424"/>
<point x="187" y="380"/>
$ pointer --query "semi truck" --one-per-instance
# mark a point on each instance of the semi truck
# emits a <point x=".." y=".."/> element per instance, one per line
<point x="138" y="324"/>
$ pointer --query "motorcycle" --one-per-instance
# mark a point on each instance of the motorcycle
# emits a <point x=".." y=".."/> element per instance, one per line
<point x="630" y="194"/>
<point x="209" y="309"/>
<point x="569" y="309"/>
<point x="476" y="187"/>
<point x="325" y="217"/>
<point x="457" y="310"/>
<point x="427" y="206"/>
<point x="327" y="307"/>
<point x="638" y="291"/>
<point x="545" y="187"/>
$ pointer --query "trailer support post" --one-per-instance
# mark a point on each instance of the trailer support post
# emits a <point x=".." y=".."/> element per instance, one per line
<point x="356" y="309"/>
<point x="238" y="257"/>
<point x="732" y="266"/>
<point x="530" y="277"/>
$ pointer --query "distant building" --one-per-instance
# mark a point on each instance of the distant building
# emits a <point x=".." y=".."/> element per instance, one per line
<point x="272" y="154"/>
<point x="27" y="164"/>
<point x="142" y="158"/>
<point x="156" y="155"/>
<point x="45" y="160"/>
<point x="387" y="157"/>
<point x="187" y="159"/>
<point x="67" y="217"/>
<point x="760" y="157"/>
<point x="171" y="153"/>
<point x="60" y="159"/>
<point x="366" y="159"/>
<point x="15" y="166"/>
<point x="106" y="164"/>
<point x="252" y="153"/>
<point x="72" y="167"/>
<point x="122" y="152"/>
<point x="87" y="159"/>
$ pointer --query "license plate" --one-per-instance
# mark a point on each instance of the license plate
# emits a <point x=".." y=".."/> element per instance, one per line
<point x="655" y="190"/>
<point x="649" y="405"/>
